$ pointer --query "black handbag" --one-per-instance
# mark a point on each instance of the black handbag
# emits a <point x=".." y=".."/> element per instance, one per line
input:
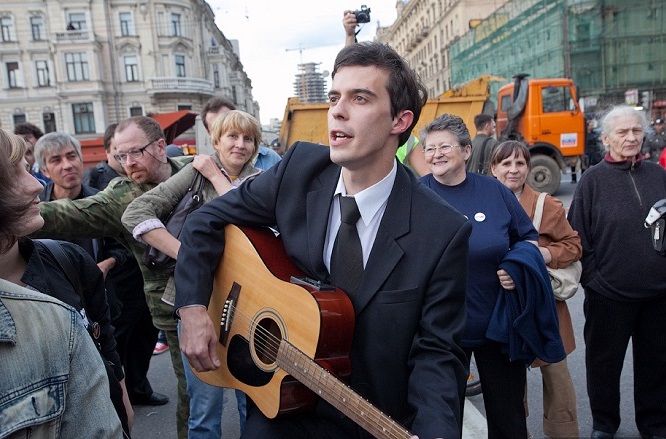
<point x="193" y="199"/>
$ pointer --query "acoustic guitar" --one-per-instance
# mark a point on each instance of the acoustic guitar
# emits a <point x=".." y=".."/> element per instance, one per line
<point x="284" y="339"/>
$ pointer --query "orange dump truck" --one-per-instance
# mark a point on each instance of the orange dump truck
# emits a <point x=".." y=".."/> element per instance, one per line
<point x="545" y="116"/>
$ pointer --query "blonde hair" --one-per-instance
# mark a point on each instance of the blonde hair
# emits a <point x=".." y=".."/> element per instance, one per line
<point x="14" y="147"/>
<point x="236" y="120"/>
<point x="12" y="208"/>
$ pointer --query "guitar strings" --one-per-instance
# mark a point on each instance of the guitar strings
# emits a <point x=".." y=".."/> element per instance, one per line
<point x="268" y="343"/>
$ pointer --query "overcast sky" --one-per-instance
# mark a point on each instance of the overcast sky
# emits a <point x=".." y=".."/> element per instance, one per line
<point x="265" y="30"/>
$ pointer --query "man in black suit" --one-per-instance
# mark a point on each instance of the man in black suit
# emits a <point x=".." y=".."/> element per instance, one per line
<point x="410" y="304"/>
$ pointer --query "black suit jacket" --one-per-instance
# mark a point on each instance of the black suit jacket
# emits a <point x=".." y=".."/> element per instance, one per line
<point x="410" y="308"/>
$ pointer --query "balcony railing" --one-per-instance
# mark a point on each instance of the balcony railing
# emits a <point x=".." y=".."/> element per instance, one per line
<point x="71" y="36"/>
<point x="214" y="50"/>
<point x="180" y="85"/>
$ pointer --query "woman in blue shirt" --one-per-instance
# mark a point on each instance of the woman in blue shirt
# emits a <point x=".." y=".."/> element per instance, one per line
<point x="498" y="222"/>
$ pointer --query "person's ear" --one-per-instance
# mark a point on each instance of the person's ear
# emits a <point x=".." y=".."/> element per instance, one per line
<point x="604" y="140"/>
<point x="402" y="122"/>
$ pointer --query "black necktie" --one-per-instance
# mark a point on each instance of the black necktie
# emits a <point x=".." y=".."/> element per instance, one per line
<point x="347" y="256"/>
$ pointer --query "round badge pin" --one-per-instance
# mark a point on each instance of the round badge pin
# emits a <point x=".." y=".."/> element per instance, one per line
<point x="480" y="217"/>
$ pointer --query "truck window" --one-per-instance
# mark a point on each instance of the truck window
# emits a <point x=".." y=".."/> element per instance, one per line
<point x="556" y="99"/>
<point x="506" y="102"/>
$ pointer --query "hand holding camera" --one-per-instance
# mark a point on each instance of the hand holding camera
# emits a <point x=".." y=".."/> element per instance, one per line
<point x="362" y="15"/>
<point x="351" y="19"/>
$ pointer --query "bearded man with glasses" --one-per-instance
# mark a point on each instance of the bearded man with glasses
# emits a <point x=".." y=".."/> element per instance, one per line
<point x="141" y="150"/>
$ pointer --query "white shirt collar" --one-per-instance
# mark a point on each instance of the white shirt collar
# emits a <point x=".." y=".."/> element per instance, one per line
<point x="371" y="199"/>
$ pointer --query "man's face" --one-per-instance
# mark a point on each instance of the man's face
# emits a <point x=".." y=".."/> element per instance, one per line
<point x="212" y="117"/>
<point x="491" y="128"/>
<point x="145" y="168"/>
<point x="29" y="155"/>
<point x="359" y="118"/>
<point x="113" y="163"/>
<point x="659" y="128"/>
<point x="64" y="168"/>
<point x="625" y="139"/>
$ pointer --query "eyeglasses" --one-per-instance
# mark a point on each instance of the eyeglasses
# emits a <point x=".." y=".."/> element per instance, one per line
<point x="121" y="157"/>
<point x="431" y="150"/>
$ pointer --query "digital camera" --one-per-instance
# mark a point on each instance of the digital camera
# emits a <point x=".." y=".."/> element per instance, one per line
<point x="363" y="16"/>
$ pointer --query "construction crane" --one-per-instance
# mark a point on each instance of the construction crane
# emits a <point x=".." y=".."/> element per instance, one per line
<point x="300" y="49"/>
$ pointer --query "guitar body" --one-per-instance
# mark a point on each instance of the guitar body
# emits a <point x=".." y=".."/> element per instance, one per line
<point x="258" y="308"/>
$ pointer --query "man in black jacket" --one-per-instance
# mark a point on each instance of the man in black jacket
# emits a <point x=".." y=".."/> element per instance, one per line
<point x="410" y="303"/>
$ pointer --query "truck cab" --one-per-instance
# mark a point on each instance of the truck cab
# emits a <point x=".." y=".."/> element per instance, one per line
<point x="545" y="115"/>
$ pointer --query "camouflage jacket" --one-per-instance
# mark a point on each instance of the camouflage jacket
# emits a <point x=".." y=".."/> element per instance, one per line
<point x="99" y="216"/>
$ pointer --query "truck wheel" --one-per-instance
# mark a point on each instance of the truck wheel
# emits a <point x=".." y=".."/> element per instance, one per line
<point x="545" y="175"/>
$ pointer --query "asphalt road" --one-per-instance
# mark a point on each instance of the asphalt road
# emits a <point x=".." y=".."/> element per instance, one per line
<point x="159" y="422"/>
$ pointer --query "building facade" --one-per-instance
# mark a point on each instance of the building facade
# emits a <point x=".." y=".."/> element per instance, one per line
<point x="424" y="31"/>
<point x="78" y="65"/>
<point x="612" y="49"/>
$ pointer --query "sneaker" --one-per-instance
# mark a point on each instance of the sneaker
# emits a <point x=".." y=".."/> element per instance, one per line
<point x="160" y="347"/>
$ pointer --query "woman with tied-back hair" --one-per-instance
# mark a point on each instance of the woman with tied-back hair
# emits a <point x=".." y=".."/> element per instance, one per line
<point x="498" y="224"/>
<point x="624" y="278"/>
<point x="560" y="246"/>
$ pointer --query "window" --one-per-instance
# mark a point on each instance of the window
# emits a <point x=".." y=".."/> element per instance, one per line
<point x="216" y="75"/>
<point x="19" y="118"/>
<point x="7" y="27"/>
<point x="556" y="99"/>
<point x="84" y="118"/>
<point x="136" y="111"/>
<point x="131" y="68"/>
<point x="37" y="27"/>
<point x="126" y="24"/>
<point x="13" y="74"/>
<point x="77" y="66"/>
<point x="77" y="21"/>
<point x="183" y="107"/>
<point x="175" y="25"/>
<point x="49" y="122"/>
<point x="180" y="66"/>
<point x="505" y="102"/>
<point x="43" y="78"/>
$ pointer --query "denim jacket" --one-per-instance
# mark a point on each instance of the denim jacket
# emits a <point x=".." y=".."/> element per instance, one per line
<point x="53" y="383"/>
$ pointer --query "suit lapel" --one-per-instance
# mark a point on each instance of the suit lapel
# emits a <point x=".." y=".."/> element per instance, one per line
<point x="318" y="207"/>
<point x="386" y="252"/>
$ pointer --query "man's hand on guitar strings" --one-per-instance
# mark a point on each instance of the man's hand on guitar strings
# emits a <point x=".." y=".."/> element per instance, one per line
<point x="197" y="338"/>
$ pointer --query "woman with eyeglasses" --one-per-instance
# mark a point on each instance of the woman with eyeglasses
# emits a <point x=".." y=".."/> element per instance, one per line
<point x="498" y="222"/>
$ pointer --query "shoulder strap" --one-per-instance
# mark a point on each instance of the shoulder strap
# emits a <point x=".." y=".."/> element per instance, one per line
<point x="483" y="149"/>
<point x="538" y="211"/>
<point x="66" y="264"/>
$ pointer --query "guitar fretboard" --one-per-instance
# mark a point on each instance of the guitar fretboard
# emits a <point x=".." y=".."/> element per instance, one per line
<point x="338" y="394"/>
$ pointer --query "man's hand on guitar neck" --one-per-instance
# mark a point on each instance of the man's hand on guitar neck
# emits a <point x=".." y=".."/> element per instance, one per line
<point x="197" y="338"/>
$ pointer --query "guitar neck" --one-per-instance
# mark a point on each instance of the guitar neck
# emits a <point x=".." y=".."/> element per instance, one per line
<point x="338" y="394"/>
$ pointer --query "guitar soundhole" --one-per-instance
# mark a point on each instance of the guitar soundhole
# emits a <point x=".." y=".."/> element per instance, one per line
<point x="265" y="339"/>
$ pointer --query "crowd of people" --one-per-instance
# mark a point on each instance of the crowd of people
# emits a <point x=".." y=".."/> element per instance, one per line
<point x="441" y="261"/>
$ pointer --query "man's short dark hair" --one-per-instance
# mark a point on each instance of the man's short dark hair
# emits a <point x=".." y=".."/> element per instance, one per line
<point x="28" y="128"/>
<point x="213" y="105"/>
<point x="108" y="135"/>
<point x="480" y="120"/>
<point x="404" y="86"/>
<point x="149" y="126"/>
